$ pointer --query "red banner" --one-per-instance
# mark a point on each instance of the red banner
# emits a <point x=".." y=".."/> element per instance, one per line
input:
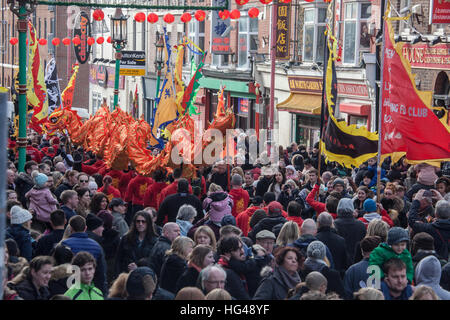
<point x="440" y="11"/>
<point x="426" y="57"/>
<point x="408" y="123"/>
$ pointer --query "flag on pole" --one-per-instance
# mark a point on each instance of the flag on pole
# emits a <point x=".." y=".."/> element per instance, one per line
<point x="52" y="83"/>
<point x="36" y="88"/>
<point x="135" y="104"/>
<point x="409" y="125"/>
<point x="67" y="95"/>
<point x="342" y="143"/>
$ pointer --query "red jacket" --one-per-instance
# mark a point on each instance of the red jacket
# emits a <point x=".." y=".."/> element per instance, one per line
<point x="384" y="216"/>
<point x="152" y="194"/>
<point x="137" y="188"/>
<point x="92" y="169"/>
<point x="116" y="175"/>
<point x="243" y="220"/>
<point x="240" y="200"/>
<point x="297" y="220"/>
<point x="125" y="180"/>
<point x="34" y="153"/>
<point x="318" y="206"/>
<point x="170" y="189"/>
<point x="112" y="192"/>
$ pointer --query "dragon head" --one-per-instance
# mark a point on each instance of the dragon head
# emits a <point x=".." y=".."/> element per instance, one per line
<point x="60" y="119"/>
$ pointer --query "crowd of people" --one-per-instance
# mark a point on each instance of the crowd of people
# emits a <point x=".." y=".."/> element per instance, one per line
<point x="79" y="230"/>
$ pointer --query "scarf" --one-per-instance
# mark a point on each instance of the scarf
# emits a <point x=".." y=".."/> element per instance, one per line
<point x="288" y="279"/>
<point x="193" y="265"/>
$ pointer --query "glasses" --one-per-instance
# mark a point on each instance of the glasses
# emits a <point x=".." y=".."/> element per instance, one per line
<point x="84" y="181"/>
<point x="141" y="222"/>
<point x="219" y="282"/>
<point x="388" y="194"/>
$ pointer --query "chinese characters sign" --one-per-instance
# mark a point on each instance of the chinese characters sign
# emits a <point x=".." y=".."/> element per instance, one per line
<point x="220" y="34"/>
<point x="283" y="31"/>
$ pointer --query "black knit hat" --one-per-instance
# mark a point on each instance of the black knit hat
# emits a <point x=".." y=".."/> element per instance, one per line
<point x="134" y="285"/>
<point x="423" y="241"/>
<point x="93" y="222"/>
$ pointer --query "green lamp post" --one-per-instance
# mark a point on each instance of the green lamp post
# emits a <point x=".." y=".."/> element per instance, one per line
<point x="159" y="58"/>
<point x="22" y="8"/>
<point x="118" y="40"/>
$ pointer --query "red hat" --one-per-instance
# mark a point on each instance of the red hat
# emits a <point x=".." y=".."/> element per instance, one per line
<point x="55" y="140"/>
<point x="274" y="208"/>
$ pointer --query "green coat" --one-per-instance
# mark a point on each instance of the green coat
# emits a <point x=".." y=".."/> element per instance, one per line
<point x="85" y="292"/>
<point x="384" y="252"/>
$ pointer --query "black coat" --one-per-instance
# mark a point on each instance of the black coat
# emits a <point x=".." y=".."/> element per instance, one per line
<point x="170" y="205"/>
<point x="439" y="230"/>
<point x="221" y="179"/>
<point x="61" y="188"/>
<point x="46" y="243"/>
<point x="445" y="277"/>
<point x="262" y="186"/>
<point x="172" y="269"/>
<point x="336" y="244"/>
<point x="188" y="278"/>
<point x="128" y="252"/>
<point x="352" y="230"/>
<point x="272" y="287"/>
<point x="236" y="283"/>
<point x="335" y="283"/>
<point x="58" y="280"/>
<point x="24" y="183"/>
<point x="266" y="224"/>
<point x="27" y="291"/>
<point x="157" y="254"/>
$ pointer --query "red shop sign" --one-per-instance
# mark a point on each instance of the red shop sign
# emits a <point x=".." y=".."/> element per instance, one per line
<point x="426" y="57"/>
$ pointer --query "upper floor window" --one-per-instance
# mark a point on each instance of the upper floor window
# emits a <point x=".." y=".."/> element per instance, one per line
<point x="356" y="35"/>
<point x="314" y="34"/>
<point x="248" y="40"/>
<point x="197" y="36"/>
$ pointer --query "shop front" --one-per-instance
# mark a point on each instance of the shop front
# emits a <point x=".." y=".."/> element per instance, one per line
<point x="101" y="81"/>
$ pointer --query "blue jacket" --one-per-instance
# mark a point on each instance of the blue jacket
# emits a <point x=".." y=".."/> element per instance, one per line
<point x="353" y="276"/>
<point x="68" y="212"/>
<point x="23" y="238"/>
<point x="406" y="293"/>
<point x="81" y="242"/>
<point x="303" y="242"/>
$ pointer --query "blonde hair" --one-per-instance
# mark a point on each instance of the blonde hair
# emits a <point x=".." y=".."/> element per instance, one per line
<point x="378" y="228"/>
<point x="237" y="170"/>
<point x="288" y="233"/>
<point x="179" y="246"/>
<point x="119" y="287"/>
<point x="421" y="291"/>
<point x="368" y="294"/>
<point x="209" y="232"/>
<point x="218" y="294"/>
<point x="214" y="188"/>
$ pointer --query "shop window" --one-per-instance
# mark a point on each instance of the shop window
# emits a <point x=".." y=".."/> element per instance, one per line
<point x="356" y="36"/>
<point x="248" y="40"/>
<point x="359" y="121"/>
<point x="314" y="34"/>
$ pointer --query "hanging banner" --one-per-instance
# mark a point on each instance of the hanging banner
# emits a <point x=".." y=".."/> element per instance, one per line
<point x="409" y="125"/>
<point x="283" y="32"/>
<point x="67" y="94"/>
<point x="83" y="31"/>
<point x="132" y="63"/>
<point x="52" y="83"/>
<point x="439" y="11"/>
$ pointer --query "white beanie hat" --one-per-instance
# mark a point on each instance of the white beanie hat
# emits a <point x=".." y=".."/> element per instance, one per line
<point x="20" y="215"/>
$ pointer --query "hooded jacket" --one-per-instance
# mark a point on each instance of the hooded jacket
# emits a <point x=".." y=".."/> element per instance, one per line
<point x="439" y="230"/>
<point x="58" y="280"/>
<point x="384" y="252"/>
<point x="368" y="217"/>
<point x="23" y="238"/>
<point x="172" y="269"/>
<point x="218" y="204"/>
<point x="84" y="292"/>
<point x="243" y="219"/>
<point x="266" y="224"/>
<point x="272" y="287"/>
<point x="42" y="202"/>
<point x="27" y="291"/>
<point x="240" y="199"/>
<point x="302" y="245"/>
<point x="335" y="283"/>
<point x="185" y="226"/>
<point x="137" y="188"/>
<point x="428" y="272"/>
<point x="152" y="193"/>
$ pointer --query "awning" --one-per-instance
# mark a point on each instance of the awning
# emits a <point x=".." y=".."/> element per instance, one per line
<point x="237" y="89"/>
<point x="302" y="103"/>
<point x="357" y="109"/>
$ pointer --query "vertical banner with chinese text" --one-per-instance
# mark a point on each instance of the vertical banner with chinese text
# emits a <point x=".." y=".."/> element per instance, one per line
<point x="283" y="31"/>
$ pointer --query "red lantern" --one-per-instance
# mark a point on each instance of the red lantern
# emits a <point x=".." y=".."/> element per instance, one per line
<point x="13" y="41"/>
<point x="288" y="1"/>
<point x="224" y="15"/>
<point x="55" y="42"/>
<point x="139" y="17"/>
<point x="66" y="41"/>
<point x="200" y="15"/>
<point x="235" y="14"/>
<point x="265" y="1"/>
<point x="186" y="17"/>
<point x="108" y="39"/>
<point x="42" y="41"/>
<point x="169" y="18"/>
<point x="253" y="13"/>
<point x="241" y="2"/>
<point x="76" y="41"/>
<point x="100" y="40"/>
<point x="98" y="15"/>
<point x="90" y="41"/>
<point x="26" y="42"/>
<point x="152" y="18"/>
<point x="309" y="0"/>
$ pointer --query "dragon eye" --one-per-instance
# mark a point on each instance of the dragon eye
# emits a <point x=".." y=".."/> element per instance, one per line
<point x="53" y="120"/>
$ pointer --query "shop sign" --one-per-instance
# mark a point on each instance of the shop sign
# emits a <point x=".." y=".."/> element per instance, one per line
<point x="283" y="31"/>
<point x="426" y="57"/>
<point x="104" y="76"/>
<point x="440" y="11"/>
<point x="305" y="84"/>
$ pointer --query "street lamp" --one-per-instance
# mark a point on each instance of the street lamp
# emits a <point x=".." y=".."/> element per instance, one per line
<point x="22" y="8"/>
<point x="118" y="40"/>
<point x="159" y="58"/>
